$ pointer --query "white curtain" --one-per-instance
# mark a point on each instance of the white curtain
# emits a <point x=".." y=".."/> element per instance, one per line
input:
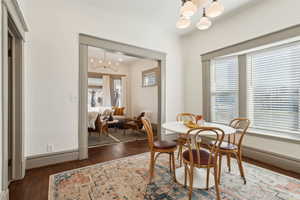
<point x="106" y="91"/>
<point x="124" y="82"/>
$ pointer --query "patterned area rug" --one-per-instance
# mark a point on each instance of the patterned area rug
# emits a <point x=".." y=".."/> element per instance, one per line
<point x="126" y="179"/>
<point x="115" y="136"/>
<point x="96" y="140"/>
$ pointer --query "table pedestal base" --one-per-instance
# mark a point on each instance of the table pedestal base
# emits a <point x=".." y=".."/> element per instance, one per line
<point x="199" y="178"/>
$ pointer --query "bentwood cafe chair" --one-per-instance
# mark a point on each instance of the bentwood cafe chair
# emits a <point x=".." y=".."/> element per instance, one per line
<point x="182" y="139"/>
<point x="198" y="157"/>
<point x="158" y="147"/>
<point x="233" y="145"/>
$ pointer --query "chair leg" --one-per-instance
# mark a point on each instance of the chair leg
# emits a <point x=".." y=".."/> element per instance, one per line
<point x="220" y="168"/>
<point x="151" y="170"/>
<point x="239" y="160"/>
<point x="174" y="167"/>
<point x="179" y="155"/>
<point x="179" y="149"/>
<point x="216" y="174"/>
<point x="170" y="162"/>
<point x="181" y="158"/>
<point x="185" y="175"/>
<point x="191" y="182"/>
<point x="207" y="177"/>
<point x="228" y="161"/>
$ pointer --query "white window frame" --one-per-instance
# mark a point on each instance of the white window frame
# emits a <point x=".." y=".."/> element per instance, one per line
<point x="244" y="94"/>
<point x="249" y="80"/>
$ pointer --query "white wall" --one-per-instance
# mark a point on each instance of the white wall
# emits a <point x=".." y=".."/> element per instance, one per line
<point x="52" y="62"/>
<point x="142" y="99"/>
<point x="260" y="18"/>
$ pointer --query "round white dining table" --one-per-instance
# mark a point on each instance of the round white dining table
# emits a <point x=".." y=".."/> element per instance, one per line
<point x="199" y="173"/>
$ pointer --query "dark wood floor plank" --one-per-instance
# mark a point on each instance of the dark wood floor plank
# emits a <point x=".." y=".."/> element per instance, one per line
<point x="36" y="182"/>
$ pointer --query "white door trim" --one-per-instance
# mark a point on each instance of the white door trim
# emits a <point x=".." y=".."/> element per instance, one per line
<point x="13" y="20"/>
<point x="87" y="40"/>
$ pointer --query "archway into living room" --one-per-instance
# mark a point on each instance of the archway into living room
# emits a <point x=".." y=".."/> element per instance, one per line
<point x="119" y="84"/>
<point x="122" y="90"/>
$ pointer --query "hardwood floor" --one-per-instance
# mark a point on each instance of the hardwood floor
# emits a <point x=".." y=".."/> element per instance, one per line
<point x="35" y="184"/>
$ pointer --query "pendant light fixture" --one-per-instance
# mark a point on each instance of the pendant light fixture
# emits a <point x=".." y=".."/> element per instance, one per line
<point x="188" y="8"/>
<point x="204" y="22"/>
<point x="183" y="22"/>
<point x="215" y="9"/>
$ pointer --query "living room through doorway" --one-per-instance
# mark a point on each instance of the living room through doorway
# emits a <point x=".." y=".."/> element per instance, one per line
<point x="121" y="90"/>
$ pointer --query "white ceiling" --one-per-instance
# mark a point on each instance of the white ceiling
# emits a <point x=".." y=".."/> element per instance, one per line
<point x="114" y="57"/>
<point x="161" y="12"/>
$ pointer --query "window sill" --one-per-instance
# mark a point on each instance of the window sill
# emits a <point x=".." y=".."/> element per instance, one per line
<point x="281" y="136"/>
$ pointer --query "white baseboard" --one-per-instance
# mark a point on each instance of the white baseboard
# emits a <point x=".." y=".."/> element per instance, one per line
<point x="51" y="158"/>
<point x="4" y="195"/>
<point x="274" y="159"/>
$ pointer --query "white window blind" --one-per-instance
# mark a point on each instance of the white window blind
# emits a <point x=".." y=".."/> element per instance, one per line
<point x="224" y="89"/>
<point x="274" y="88"/>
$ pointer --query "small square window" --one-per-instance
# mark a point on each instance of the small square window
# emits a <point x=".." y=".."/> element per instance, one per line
<point x="150" y="77"/>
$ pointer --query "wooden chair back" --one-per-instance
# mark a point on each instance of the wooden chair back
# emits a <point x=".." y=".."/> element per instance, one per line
<point x="139" y="120"/>
<point x="149" y="130"/>
<point x="241" y="125"/>
<point x="186" y="117"/>
<point x="197" y="133"/>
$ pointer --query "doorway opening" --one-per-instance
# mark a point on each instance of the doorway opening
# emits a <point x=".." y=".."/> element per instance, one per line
<point x="97" y="79"/>
<point x="121" y="90"/>
<point x="13" y="165"/>
<point x="13" y="28"/>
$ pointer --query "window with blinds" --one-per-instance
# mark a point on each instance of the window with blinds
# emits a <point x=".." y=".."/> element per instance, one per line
<point x="274" y="88"/>
<point x="149" y="78"/>
<point x="224" y="89"/>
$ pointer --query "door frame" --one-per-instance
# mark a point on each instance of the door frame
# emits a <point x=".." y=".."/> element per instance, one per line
<point x="84" y="42"/>
<point x="12" y="20"/>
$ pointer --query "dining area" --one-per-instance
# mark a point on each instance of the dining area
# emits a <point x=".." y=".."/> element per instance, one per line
<point x="196" y="155"/>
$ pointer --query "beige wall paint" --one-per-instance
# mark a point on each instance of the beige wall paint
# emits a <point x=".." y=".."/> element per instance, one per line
<point x="257" y="19"/>
<point x="142" y="99"/>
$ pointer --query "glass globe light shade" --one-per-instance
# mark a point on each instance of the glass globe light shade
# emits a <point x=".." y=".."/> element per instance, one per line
<point x="215" y="9"/>
<point x="204" y="23"/>
<point x="183" y="23"/>
<point x="188" y="9"/>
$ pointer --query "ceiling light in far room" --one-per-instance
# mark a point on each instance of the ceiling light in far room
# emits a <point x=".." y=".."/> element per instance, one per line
<point x="204" y="22"/>
<point x="92" y="60"/>
<point x="100" y="61"/>
<point x="215" y="9"/>
<point x="120" y="59"/>
<point x="109" y="63"/>
<point x="188" y="8"/>
<point x="183" y="23"/>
